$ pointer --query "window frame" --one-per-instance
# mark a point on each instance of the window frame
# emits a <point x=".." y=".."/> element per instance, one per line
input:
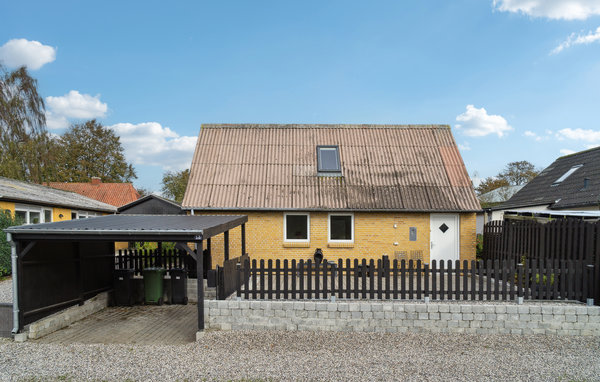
<point x="285" y="215"/>
<point x="44" y="210"/>
<point x="339" y="161"/>
<point x="329" y="240"/>
<point x="87" y="214"/>
<point x="27" y="209"/>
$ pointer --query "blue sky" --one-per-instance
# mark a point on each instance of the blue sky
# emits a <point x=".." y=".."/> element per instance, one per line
<point x="516" y="79"/>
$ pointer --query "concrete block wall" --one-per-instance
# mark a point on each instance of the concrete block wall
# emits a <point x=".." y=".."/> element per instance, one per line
<point x="394" y="317"/>
<point x="68" y="316"/>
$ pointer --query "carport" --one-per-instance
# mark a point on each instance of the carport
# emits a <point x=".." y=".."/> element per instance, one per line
<point x="57" y="265"/>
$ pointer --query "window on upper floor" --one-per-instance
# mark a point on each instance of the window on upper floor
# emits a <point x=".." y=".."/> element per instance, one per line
<point x="296" y="227"/>
<point x="328" y="160"/>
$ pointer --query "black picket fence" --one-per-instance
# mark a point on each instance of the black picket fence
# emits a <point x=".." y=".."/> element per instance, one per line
<point x="475" y="280"/>
<point x="139" y="259"/>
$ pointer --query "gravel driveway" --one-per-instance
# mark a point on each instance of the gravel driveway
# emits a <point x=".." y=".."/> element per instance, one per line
<point x="6" y="290"/>
<point x="255" y="355"/>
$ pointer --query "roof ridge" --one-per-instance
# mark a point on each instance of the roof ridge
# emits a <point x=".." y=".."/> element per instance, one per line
<point x="320" y="126"/>
<point x="579" y="152"/>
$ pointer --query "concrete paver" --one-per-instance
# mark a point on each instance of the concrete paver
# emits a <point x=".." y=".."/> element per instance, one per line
<point x="144" y="324"/>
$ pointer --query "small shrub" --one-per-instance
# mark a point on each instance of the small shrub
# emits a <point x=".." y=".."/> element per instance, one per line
<point x="479" y="247"/>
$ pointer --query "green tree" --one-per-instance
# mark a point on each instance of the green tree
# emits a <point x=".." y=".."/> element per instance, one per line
<point x="143" y="191"/>
<point x="518" y="173"/>
<point x="174" y="184"/>
<point x="90" y="149"/>
<point x="6" y="220"/>
<point x="24" y="141"/>
<point x="489" y="184"/>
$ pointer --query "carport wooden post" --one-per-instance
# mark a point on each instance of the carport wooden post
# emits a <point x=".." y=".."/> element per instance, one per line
<point x="80" y="271"/>
<point x="243" y="239"/>
<point x="226" y="245"/>
<point x="200" y="280"/>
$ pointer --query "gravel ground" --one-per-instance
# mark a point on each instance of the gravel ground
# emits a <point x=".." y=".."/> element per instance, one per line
<point x="6" y="290"/>
<point x="255" y="355"/>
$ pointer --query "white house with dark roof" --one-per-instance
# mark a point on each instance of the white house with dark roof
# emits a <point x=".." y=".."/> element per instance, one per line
<point x="571" y="182"/>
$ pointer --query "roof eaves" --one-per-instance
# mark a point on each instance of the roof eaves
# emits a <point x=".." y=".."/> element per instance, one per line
<point x="43" y="203"/>
<point x="212" y="209"/>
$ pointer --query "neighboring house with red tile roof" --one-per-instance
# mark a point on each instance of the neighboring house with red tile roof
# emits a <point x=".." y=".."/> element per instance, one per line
<point x="116" y="194"/>
<point x="355" y="191"/>
<point x="34" y="203"/>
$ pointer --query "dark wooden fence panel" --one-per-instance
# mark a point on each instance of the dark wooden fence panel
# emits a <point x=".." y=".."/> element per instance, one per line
<point x="516" y="241"/>
<point x="535" y="279"/>
<point x="6" y="320"/>
<point x="169" y="259"/>
<point x="231" y="277"/>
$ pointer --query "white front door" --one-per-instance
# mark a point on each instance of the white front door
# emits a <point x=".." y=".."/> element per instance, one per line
<point x="444" y="236"/>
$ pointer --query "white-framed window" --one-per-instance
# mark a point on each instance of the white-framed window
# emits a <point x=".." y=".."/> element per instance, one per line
<point x="47" y="215"/>
<point x="85" y="214"/>
<point x="340" y="228"/>
<point x="296" y="227"/>
<point x="33" y="215"/>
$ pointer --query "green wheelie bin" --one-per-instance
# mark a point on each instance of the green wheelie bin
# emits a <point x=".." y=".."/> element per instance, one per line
<point x="153" y="285"/>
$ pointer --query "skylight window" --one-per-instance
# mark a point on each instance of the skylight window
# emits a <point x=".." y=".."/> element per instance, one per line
<point x="328" y="159"/>
<point x="567" y="174"/>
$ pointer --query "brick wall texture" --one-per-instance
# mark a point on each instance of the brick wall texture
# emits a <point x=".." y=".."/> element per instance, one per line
<point x="393" y="317"/>
<point x="375" y="235"/>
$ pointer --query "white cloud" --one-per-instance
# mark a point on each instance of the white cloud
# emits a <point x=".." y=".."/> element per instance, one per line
<point x="478" y="123"/>
<point x="77" y="105"/>
<point x="464" y="146"/>
<point x="590" y="136"/>
<point x="56" y="121"/>
<point x="533" y="135"/>
<point x="592" y="36"/>
<point x="552" y="9"/>
<point x="33" y="54"/>
<point x="150" y="143"/>
<point x="567" y="151"/>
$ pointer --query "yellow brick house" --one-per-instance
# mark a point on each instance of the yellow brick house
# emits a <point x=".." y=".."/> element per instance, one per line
<point x="354" y="191"/>
<point x="34" y="203"/>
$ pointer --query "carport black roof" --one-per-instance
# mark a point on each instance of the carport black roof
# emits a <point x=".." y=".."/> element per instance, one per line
<point x="132" y="228"/>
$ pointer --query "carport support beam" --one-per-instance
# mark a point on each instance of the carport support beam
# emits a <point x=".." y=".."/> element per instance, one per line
<point x="243" y="239"/>
<point x="200" y="279"/>
<point x="226" y="245"/>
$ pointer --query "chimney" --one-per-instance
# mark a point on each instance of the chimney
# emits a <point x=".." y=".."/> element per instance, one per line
<point x="96" y="180"/>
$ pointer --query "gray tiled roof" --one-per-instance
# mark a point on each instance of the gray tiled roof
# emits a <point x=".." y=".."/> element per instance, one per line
<point x="570" y="193"/>
<point x="31" y="193"/>
<point x="274" y="167"/>
<point x="128" y="225"/>
<point x="500" y="194"/>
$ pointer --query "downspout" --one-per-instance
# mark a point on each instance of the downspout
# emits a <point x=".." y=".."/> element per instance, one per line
<point x="13" y="252"/>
